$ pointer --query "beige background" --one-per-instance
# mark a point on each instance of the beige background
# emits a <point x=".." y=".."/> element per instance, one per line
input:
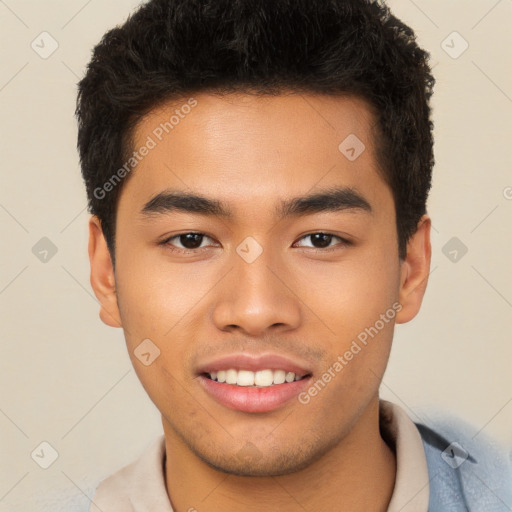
<point x="66" y="378"/>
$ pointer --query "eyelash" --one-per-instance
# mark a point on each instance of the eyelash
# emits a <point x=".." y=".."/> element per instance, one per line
<point x="166" y="242"/>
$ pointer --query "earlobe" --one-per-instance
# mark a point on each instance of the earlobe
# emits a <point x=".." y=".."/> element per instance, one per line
<point x="414" y="271"/>
<point x="102" y="274"/>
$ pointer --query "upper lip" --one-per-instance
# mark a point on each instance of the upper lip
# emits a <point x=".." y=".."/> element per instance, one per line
<point x="244" y="361"/>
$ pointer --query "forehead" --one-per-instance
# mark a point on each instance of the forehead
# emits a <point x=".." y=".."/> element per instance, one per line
<point x="242" y="147"/>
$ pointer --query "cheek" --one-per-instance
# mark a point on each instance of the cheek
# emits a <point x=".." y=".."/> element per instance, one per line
<point x="351" y="294"/>
<point x="156" y="296"/>
<point x="351" y="374"/>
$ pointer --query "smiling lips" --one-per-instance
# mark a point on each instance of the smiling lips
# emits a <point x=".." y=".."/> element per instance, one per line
<point x="261" y="378"/>
<point x="253" y="384"/>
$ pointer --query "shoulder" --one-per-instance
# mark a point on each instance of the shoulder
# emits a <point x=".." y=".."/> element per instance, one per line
<point x="468" y="470"/>
<point x="74" y="498"/>
<point x="136" y="485"/>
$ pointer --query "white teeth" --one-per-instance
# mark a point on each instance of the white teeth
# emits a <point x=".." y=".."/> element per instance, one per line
<point x="245" y="378"/>
<point x="261" y="378"/>
<point x="231" y="376"/>
<point x="264" y="378"/>
<point x="279" y="377"/>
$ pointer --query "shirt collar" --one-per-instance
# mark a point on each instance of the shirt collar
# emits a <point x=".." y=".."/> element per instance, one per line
<point x="411" y="490"/>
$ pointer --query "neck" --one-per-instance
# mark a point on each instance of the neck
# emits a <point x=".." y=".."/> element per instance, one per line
<point x="357" y="475"/>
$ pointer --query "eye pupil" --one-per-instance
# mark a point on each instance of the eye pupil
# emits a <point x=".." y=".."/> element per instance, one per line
<point x="322" y="238"/>
<point x="190" y="240"/>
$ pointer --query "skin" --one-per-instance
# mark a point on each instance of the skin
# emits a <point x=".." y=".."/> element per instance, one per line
<point x="250" y="152"/>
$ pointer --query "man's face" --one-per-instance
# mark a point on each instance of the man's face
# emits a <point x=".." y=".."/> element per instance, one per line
<point x="259" y="283"/>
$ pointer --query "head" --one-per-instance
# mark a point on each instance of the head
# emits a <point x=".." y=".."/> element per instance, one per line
<point x="263" y="123"/>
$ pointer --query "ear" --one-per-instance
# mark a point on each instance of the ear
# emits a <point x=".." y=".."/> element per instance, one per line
<point x="102" y="274"/>
<point x="414" y="271"/>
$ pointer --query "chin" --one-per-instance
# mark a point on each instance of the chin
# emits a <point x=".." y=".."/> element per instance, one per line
<point x="250" y="461"/>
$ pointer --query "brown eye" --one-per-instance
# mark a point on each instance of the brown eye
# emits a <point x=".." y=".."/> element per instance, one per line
<point x="185" y="242"/>
<point x="191" y="240"/>
<point x="322" y="240"/>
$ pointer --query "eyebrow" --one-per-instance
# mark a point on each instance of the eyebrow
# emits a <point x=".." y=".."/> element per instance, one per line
<point x="328" y="200"/>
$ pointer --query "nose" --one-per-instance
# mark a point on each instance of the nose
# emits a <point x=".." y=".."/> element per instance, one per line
<point x="256" y="298"/>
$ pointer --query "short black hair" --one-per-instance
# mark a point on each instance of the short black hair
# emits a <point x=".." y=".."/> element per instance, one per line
<point x="173" y="48"/>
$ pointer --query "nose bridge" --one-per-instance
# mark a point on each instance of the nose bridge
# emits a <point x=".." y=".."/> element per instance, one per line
<point x="254" y="298"/>
<point x="255" y="281"/>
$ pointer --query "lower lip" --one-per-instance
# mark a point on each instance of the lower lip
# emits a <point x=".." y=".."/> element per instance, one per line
<point x="253" y="399"/>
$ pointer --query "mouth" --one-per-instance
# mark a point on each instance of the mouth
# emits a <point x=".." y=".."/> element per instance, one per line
<point x="250" y="386"/>
<point x="254" y="383"/>
<point x="255" y="379"/>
